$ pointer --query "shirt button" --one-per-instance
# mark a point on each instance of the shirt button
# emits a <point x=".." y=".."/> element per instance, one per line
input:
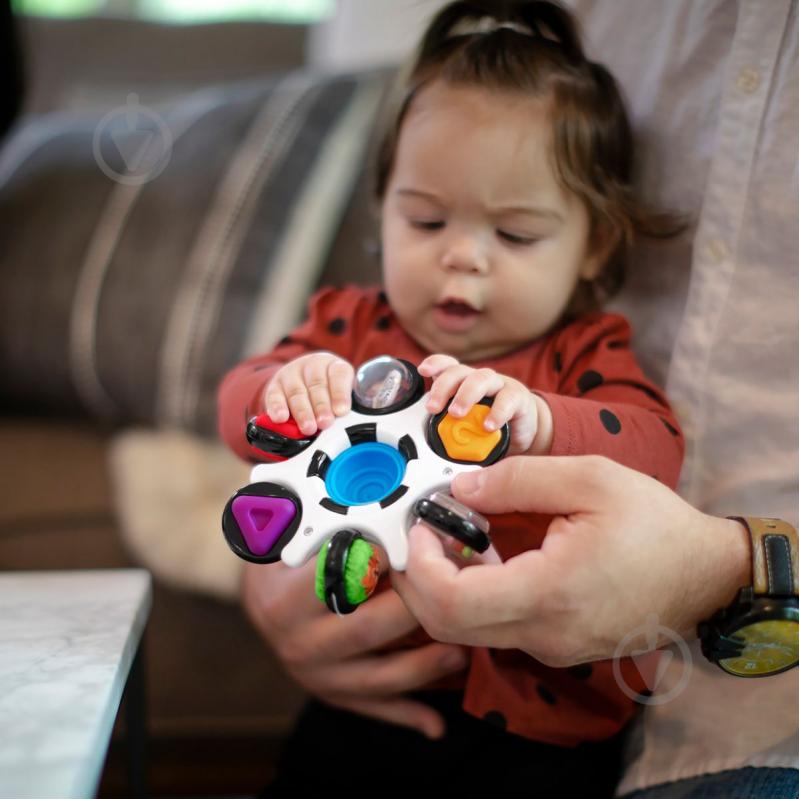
<point x="748" y="80"/>
<point x="717" y="250"/>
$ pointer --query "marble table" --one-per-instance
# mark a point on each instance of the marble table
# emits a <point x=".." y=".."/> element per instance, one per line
<point x="67" y="643"/>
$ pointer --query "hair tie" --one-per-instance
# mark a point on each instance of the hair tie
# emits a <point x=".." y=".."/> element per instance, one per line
<point x="489" y="25"/>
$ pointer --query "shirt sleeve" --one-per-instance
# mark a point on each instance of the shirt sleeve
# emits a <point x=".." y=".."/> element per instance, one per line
<point x="333" y="316"/>
<point x="604" y="405"/>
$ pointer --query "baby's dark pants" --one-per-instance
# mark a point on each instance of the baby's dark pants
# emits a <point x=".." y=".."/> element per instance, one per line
<point x="336" y="753"/>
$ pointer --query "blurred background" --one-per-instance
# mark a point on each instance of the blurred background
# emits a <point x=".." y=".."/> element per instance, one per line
<point x="171" y="44"/>
<point x="178" y="177"/>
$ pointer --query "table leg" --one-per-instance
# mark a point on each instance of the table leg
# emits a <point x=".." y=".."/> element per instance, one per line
<point x="136" y="726"/>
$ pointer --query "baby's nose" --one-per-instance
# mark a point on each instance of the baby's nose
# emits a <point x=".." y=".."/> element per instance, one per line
<point x="465" y="254"/>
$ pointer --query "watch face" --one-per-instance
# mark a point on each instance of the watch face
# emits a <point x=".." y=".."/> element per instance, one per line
<point x="770" y="646"/>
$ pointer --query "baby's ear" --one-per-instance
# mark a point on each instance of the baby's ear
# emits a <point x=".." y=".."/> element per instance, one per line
<point x="603" y="241"/>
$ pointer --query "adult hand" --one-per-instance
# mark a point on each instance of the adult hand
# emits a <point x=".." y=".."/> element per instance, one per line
<point x="621" y="547"/>
<point x="335" y="658"/>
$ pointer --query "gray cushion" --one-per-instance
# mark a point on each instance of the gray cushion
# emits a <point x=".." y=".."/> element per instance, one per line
<point x="128" y="299"/>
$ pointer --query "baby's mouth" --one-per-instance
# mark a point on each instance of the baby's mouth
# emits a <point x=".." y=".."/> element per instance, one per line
<point x="459" y="308"/>
<point x="455" y="315"/>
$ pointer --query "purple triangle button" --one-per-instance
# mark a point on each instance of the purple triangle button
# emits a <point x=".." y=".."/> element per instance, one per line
<point x="262" y="520"/>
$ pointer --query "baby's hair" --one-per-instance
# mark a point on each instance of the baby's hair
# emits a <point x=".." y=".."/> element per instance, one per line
<point x="534" y="47"/>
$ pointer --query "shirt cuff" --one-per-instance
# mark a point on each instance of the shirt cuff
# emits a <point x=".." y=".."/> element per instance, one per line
<point x="565" y="434"/>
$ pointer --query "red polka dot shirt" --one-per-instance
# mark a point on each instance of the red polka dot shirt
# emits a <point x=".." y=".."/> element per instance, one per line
<point x="601" y="403"/>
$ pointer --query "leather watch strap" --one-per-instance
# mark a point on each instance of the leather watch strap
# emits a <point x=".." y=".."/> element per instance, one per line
<point x="775" y="556"/>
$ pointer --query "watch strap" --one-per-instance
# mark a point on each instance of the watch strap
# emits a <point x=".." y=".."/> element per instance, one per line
<point x="775" y="556"/>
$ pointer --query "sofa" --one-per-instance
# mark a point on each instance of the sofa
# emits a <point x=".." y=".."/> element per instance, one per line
<point x="122" y="306"/>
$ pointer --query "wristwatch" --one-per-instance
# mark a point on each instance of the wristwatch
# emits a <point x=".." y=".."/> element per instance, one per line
<point x="758" y="634"/>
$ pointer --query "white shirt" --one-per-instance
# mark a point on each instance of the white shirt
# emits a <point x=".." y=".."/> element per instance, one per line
<point x="713" y="88"/>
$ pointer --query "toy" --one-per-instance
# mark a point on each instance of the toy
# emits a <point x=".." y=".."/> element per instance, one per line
<point x="365" y="480"/>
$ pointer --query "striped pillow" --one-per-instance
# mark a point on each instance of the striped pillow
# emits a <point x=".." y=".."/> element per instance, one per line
<point x="128" y="300"/>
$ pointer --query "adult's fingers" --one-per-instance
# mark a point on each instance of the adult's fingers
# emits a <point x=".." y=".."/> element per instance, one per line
<point x="279" y="600"/>
<point x="380" y="620"/>
<point x="476" y="606"/>
<point x="559" y="485"/>
<point x="402" y="712"/>
<point x="384" y="675"/>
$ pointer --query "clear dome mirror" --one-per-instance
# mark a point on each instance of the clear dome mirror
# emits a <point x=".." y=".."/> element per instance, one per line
<point x="384" y="383"/>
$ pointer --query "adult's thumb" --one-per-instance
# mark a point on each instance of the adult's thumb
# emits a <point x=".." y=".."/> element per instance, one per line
<point x="531" y="484"/>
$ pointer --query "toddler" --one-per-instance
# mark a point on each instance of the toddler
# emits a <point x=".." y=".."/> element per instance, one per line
<point x="506" y="215"/>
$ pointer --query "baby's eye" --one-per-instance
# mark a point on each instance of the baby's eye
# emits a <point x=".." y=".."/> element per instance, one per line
<point x="514" y="239"/>
<point x="427" y="224"/>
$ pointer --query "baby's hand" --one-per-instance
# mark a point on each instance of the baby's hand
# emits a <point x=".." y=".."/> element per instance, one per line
<point x="314" y="389"/>
<point x="529" y="416"/>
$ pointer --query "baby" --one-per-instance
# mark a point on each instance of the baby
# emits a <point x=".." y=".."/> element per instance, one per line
<point x="506" y="216"/>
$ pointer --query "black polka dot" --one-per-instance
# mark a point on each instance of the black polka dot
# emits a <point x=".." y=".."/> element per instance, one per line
<point x="381" y="297"/>
<point x="558" y="362"/>
<point x="582" y="671"/>
<point x="610" y="421"/>
<point x="589" y="380"/>
<point x="286" y="340"/>
<point x="546" y="694"/>
<point x="383" y="323"/>
<point x="670" y="428"/>
<point x="616" y="345"/>
<point x="337" y="326"/>
<point x="496" y="719"/>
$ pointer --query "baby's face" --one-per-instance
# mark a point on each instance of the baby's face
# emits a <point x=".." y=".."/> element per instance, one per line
<point x="482" y="249"/>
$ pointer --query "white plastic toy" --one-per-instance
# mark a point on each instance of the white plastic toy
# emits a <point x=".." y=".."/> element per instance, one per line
<point x="365" y="479"/>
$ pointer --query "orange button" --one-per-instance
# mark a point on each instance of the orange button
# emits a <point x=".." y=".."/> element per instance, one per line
<point x="465" y="438"/>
